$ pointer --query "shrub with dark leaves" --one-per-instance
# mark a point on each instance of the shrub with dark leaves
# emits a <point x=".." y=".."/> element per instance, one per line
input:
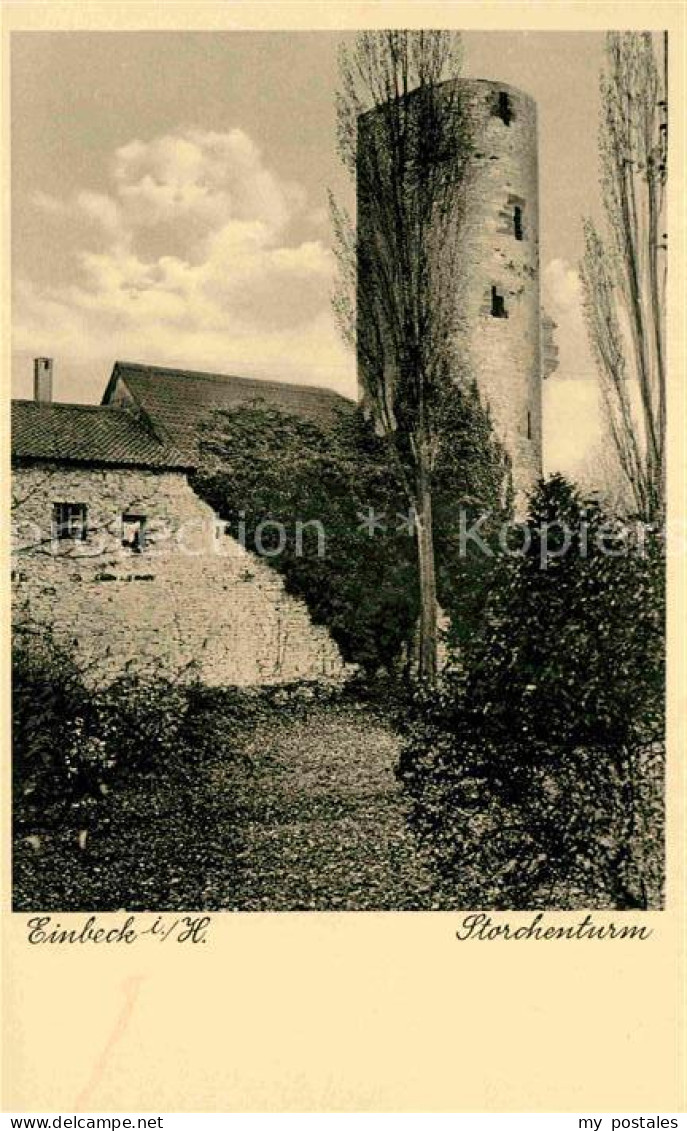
<point x="70" y="742"/>
<point x="140" y="719"/>
<point x="536" y="769"/>
<point x="275" y="476"/>
<point x="51" y="711"/>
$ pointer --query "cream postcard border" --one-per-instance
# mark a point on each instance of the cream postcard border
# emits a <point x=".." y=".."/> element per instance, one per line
<point x="356" y="1011"/>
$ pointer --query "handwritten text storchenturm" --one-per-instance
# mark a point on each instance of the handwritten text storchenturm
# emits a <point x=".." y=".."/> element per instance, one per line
<point x="480" y="927"/>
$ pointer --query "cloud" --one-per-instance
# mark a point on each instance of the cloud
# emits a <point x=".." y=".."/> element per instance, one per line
<point x="100" y="207"/>
<point x="572" y="424"/>
<point x="319" y="218"/>
<point x="573" y="415"/>
<point x="191" y="259"/>
<point x="83" y="205"/>
<point x="562" y="299"/>
<point x="49" y="204"/>
<point x="207" y="176"/>
<point x="562" y="288"/>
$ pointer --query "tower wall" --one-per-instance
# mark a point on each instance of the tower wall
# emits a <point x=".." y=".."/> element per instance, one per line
<point x="497" y="294"/>
<point x="504" y="353"/>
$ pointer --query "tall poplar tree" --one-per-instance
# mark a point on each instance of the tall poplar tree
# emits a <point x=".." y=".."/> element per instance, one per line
<point x="405" y="135"/>
<point x="624" y="267"/>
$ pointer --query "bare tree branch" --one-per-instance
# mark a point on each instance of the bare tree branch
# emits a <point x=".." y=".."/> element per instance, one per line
<point x="622" y="273"/>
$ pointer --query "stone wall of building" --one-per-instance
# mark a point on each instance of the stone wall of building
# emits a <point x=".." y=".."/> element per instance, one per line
<point x="193" y="603"/>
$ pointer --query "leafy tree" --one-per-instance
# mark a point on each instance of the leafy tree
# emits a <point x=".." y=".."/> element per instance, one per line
<point x="405" y="136"/>
<point x="624" y="271"/>
<point x="261" y="466"/>
<point x="536" y="768"/>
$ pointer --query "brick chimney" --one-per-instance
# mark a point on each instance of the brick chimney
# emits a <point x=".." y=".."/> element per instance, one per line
<point x="42" y="380"/>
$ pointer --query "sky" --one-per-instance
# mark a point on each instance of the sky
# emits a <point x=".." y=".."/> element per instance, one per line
<point x="169" y="205"/>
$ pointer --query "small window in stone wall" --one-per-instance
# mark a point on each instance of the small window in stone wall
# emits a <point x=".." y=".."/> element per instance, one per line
<point x="133" y="532"/>
<point x="529" y="425"/>
<point x="498" y="304"/>
<point x="69" y="521"/>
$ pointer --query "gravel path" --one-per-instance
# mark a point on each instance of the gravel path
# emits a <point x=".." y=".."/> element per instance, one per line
<point x="324" y="825"/>
<point x="304" y="814"/>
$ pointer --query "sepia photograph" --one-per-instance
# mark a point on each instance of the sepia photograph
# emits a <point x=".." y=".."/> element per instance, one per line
<point x="338" y="441"/>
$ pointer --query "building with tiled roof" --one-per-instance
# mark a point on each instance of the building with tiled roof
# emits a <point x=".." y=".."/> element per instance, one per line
<point x="176" y="402"/>
<point x="121" y="564"/>
<point x="92" y="435"/>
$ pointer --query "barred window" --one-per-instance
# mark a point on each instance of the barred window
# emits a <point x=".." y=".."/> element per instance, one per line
<point x="69" y="521"/>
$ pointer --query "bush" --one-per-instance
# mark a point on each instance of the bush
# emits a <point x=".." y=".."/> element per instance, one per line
<point x="140" y="718"/>
<point x="166" y="789"/>
<point x="74" y="745"/>
<point x="260" y="464"/>
<point x="71" y="743"/>
<point x="536" y="769"/>
<point x="52" y="762"/>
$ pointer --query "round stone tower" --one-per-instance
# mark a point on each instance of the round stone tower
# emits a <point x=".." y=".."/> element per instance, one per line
<point x="497" y="299"/>
<point x="499" y="291"/>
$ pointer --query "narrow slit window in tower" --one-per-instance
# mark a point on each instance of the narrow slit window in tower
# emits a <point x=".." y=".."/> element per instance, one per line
<point x="498" y="304"/>
<point x="517" y="221"/>
<point x="505" y="112"/>
<point x="529" y="425"/>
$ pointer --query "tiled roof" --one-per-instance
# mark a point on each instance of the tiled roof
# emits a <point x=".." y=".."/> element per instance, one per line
<point x="176" y="401"/>
<point x="90" y="434"/>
